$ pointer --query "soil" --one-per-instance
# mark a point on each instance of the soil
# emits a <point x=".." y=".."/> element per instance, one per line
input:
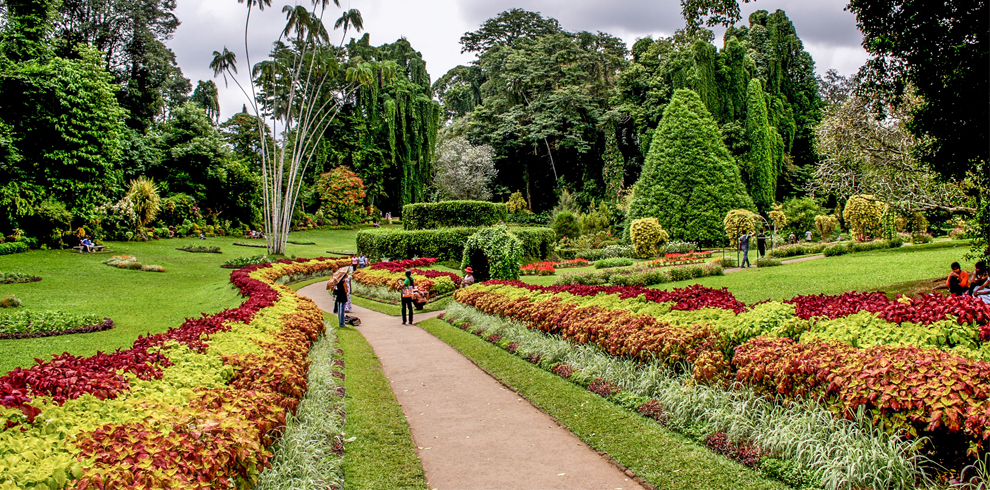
<point x="471" y="431"/>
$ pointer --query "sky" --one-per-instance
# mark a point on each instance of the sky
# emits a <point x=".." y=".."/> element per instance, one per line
<point x="434" y="27"/>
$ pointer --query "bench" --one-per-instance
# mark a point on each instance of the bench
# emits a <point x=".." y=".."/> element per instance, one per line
<point x="96" y="248"/>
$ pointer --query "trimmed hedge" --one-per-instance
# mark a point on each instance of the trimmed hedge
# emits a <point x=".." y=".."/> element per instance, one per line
<point x="13" y="248"/>
<point x="443" y="243"/>
<point x="429" y="216"/>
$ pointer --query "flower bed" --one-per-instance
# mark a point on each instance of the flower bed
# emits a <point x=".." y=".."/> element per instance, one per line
<point x="194" y="407"/>
<point x="388" y="275"/>
<point x="643" y="274"/>
<point x="916" y="389"/>
<point x="246" y="261"/>
<point x="25" y="324"/>
<point x="17" y="278"/>
<point x="203" y="249"/>
<point x="549" y="268"/>
<point x="131" y="263"/>
<point x="681" y="258"/>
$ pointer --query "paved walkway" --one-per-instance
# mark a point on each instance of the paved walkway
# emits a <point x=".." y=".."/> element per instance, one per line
<point x="473" y="433"/>
<point x="791" y="261"/>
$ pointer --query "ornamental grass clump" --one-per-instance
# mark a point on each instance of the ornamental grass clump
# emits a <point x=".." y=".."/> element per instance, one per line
<point x="17" y="278"/>
<point x="9" y="301"/>
<point x="131" y="263"/>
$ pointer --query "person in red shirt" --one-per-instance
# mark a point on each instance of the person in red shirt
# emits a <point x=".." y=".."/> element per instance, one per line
<point x="958" y="280"/>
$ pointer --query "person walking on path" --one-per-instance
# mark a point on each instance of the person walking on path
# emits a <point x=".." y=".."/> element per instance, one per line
<point x="744" y="247"/>
<point x="347" y="282"/>
<point x="340" y="293"/>
<point x="408" y="285"/>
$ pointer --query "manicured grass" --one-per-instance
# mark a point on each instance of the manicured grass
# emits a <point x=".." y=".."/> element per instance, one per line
<point x="382" y="455"/>
<point x="396" y="310"/>
<point x="862" y="271"/>
<point x="662" y="458"/>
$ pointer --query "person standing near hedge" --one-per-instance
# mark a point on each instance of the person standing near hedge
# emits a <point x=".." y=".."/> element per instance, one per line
<point x="744" y="247"/>
<point x="468" y="277"/>
<point x="407" y="297"/>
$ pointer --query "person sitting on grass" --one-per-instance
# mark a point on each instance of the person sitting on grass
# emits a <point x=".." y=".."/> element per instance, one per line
<point x="958" y="280"/>
<point x="979" y="283"/>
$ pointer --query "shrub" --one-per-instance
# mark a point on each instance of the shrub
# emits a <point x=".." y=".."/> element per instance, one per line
<point x="9" y="301"/>
<point x="825" y="224"/>
<point x="689" y="179"/>
<point x="565" y="225"/>
<point x="341" y="194"/>
<point x="493" y="253"/>
<point x="615" y="262"/>
<point x="428" y="216"/>
<point x="739" y="221"/>
<point x="178" y="208"/>
<point x="921" y="238"/>
<point x="13" y="248"/>
<point x="647" y="236"/>
<point x="801" y="214"/>
<point x="678" y="247"/>
<point x="837" y="249"/>
<point x="610" y="251"/>
<point x="246" y="261"/>
<point x="17" y="278"/>
<point x="863" y="215"/>
<point x="767" y="262"/>
<point x="444" y="244"/>
<point x="517" y="203"/>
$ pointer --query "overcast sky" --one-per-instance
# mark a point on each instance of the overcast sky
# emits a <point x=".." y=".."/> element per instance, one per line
<point x="434" y="28"/>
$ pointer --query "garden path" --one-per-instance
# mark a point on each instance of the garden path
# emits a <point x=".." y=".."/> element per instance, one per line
<point x="791" y="261"/>
<point x="472" y="432"/>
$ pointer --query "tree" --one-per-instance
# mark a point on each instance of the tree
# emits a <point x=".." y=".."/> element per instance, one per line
<point x="341" y="194"/>
<point x="505" y="28"/>
<point x="462" y="171"/>
<point x="206" y="97"/>
<point x="863" y="155"/>
<point x="689" y="181"/>
<point x="143" y="194"/>
<point x="826" y="224"/>
<point x="863" y="214"/>
<point x="63" y="135"/>
<point x="762" y="159"/>
<point x="739" y="221"/>
<point x="296" y="93"/>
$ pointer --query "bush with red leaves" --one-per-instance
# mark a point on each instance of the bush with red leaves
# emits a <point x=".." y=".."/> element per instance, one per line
<point x="926" y="309"/>
<point x="562" y="370"/>
<point x="603" y="388"/>
<point x="401" y="265"/>
<point x="743" y="453"/>
<point x="694" y="297"/>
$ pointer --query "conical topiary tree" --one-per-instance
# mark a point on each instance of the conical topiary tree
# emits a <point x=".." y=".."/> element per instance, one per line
<point x="689" y="180"/>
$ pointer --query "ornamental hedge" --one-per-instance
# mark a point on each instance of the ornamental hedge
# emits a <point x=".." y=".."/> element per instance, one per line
<point x="428" y="216"/>
<point x="13" y="248"/>
<point x="443" y="243"/>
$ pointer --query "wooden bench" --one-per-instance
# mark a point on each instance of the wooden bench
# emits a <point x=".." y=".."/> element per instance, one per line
<point x="82" y="248"/>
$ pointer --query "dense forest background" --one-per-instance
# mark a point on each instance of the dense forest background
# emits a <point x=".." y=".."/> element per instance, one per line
<point x="94" y="107"/>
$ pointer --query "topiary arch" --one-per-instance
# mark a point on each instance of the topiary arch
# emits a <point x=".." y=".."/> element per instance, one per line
<point x="493" y="253"/>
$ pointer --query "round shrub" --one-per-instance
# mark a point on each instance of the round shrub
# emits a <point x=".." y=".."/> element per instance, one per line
<point x="647" y="236"/>
<point x="739" y="221"/>
<point x="863" y="214"/>
<point x="616" y="262"/>
<point x="341" y="194"/>
<point x="566" y="225"/>
<point x="493" y="253"/>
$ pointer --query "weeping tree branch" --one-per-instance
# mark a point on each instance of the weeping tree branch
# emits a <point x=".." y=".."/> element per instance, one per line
<point x="863" y="155"/>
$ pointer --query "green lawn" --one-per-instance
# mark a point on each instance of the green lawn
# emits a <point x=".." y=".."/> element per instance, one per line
<point x="863" y="271"/>
<point x="663" y="458"/>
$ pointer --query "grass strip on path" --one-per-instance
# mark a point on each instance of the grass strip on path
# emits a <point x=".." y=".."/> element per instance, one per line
<point x="382" y="455"/>
<point x="664" y="459"/>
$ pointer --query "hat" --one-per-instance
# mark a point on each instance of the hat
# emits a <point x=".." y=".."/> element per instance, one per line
<point x="337" y="276"/>
<point x="469" y="270"/>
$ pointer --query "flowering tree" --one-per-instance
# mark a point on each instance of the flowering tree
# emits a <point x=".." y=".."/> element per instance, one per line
<point x="341" y="192"/>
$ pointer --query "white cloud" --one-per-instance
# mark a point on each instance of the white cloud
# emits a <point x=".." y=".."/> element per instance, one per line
<point x="434" y="27"/>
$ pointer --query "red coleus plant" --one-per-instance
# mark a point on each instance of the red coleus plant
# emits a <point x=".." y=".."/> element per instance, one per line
<point x="693" y="297"/>
<point x="401" y="265"/>
<point x="925" y="309"/>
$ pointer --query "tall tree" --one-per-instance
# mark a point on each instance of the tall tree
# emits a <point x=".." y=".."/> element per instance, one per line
<point x="689" y="181"/>
<point x="505" y="28"/>
<point x="761" y="161"/>
<point x="206" y="96"/>
<point x="297" y="93"/>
